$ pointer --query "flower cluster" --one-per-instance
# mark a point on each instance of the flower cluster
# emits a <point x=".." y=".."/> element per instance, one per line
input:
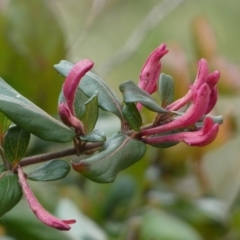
<point x="200" y="99"/>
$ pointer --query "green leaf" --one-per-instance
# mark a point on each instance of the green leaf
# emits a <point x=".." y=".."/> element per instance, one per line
<point x="132" y="116"/>
<point x="118" y="153"/>
<point x="166" y="89"/>
<point x="107" y="99"/>
<point x="132" y="93"/>
<point x="63" y="67"/>
<point x="90" y="84"/>
<point x="10" y="191"/>
<point x="30" y="117"/>
<point x="4" y="125"/>
<point x="90" y="116"/>
<point x="50" y="171"/>
<point x="94" y="136"/>
<point x="15" y="143"/>
<point x="158" y="224"/>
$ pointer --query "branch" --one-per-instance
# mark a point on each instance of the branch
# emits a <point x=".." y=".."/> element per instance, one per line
<point x="157" y="13"/>
<point x="67" y="152"/>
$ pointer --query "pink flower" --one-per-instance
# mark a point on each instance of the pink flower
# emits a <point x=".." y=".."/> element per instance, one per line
<point x="151" y="71"/>
<point x="38" y="210"/>
<point x="66" y="110"/>
<point x="202" y="77"/>
<point x="72" y="81"/>
<point x="199" y="138"/>
<point x="193" y="114"/>
<point x="68" y="119"/>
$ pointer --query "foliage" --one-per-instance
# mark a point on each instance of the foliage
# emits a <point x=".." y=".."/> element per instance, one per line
<point x="127" y="208"/>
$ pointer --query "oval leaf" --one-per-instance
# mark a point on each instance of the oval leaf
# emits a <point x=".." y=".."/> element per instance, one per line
<point x="132" y="93"/>
<point x="63" y="67"/>
<point x="50" y="171"/>
<point x="90" y="84"/>
<point x="94" y="136"/>
<point x="30" y="117"/>
<point x="118" y="153"/>
<point x="10" y="191"/>
<point x="166" y="89"/>
<point x="132" y="116"/>
<point x="90" y="116"/>
<point x="15" y="144"/>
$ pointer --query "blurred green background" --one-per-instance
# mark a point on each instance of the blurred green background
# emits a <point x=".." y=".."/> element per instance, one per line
<point x="178" y="193"/>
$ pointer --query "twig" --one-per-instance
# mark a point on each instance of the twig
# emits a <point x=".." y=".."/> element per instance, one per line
<point x="64" y="153"/>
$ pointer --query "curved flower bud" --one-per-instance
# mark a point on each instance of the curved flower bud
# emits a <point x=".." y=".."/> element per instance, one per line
<point x="71" y="83"/>
<point x="193" y="114"/>
<point x="68" y="119"/>
<point x="38" y="210"/>
<point x="201" y="78"/>
<point x="200" y="138"/>
<point x="212" y="99"/>
<point x="151" y="70"/>
<point x="213" y="78"/>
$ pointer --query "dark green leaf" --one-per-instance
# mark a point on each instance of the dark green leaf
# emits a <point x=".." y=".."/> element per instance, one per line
<point x="132" y="116"/>
<point x="10" y="191"/>
<point x="166" y="89"/>
<point x="30" y="117"/>
<point x="107" y="100"/>
<point x="118" y="153"/>
<point x="50" y="171"/>
<point x="132" y="93"/>
<point x="90" y="84"/>
<point x="15" y="143"/>
<point x="90" y="116"/>
<point x="94" y="136"/>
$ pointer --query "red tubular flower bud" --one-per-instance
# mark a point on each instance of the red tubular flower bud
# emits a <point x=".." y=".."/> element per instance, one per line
<point x="193" y="114"/>
<point x="213" y="79"/>
<point x="151" y="71"/>
<point x="212" y="99"/>
<point x="72" y="81"/>
<point x="37" y="208"/>
<point x="200" y="138"/>
<point x="68" y="119"/>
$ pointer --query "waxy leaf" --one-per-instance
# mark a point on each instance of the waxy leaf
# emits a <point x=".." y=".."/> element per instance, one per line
<point x="4" y="125"/>
<point x="90" y="116"/>
<point x="132" y="93"/>
<point x="10" y="191"/>
<point x="30" y="117"/>
<point x="90" y="84"/>
<point x="50" y="171"/>
<point x="117" y="153"/>
<point x="94" y="136"/>
<point x="15" y="143"/>
<point x="132" y="116"/>
<point x="166" y="89"/>
<point x="63" y="67"/>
